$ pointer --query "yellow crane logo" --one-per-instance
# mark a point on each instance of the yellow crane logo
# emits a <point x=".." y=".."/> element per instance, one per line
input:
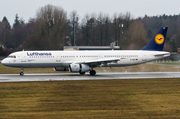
<point x="159" y="39"/>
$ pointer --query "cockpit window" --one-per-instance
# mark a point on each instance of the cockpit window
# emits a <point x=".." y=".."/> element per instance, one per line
<point x="11" y="56"/>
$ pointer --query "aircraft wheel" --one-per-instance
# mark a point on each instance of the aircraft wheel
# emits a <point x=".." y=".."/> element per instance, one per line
<point x="21" y="73"/>
<point x="93" y="72"/>
<point x="82" y="73"/>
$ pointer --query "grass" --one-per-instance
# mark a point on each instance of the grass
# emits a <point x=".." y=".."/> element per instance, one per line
<point x="103" y="99"/>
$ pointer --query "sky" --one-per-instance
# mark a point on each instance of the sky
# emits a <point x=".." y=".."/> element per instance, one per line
<point x="27" y="9"/>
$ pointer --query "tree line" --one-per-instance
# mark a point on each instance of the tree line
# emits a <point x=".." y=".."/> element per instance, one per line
<point x="52" y="28"/>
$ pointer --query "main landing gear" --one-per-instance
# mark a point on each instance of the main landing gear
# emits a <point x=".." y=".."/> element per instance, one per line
<point x="92" y="72"/>
<point x="22" y="73"/>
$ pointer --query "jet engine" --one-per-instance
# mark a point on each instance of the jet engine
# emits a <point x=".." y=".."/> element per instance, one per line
<point x="79" y="68"/>
<point x="61" y="69"/>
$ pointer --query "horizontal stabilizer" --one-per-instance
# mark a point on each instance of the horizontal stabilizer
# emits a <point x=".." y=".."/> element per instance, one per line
<point x="162" y="54"/>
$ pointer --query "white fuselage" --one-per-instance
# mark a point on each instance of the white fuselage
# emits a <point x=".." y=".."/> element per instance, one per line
<point x="35" y="59"/>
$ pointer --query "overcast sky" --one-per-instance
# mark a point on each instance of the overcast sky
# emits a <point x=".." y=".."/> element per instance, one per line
<point x="138" y="8"/>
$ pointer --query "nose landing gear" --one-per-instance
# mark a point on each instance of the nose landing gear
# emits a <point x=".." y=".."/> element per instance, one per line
<point x="22" y="73"/>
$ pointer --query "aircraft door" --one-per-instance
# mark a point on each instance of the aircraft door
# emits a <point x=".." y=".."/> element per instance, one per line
<point x="100" y="56"/>
<point x="143" y="56"/>
<point x="58" y="57"/>
<point x="23" y="57"/>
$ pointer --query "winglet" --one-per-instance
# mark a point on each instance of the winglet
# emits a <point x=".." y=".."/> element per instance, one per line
<point x="157" y="42"/>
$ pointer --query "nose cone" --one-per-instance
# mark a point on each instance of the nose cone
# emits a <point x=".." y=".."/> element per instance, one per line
<point x="4" y="62"/>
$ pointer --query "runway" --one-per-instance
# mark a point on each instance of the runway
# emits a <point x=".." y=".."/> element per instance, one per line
<point x="74" y="76"/>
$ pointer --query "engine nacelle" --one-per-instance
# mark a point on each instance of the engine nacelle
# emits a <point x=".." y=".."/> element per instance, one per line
<point x="61" y="69"/>
<point x="79" y="68"/>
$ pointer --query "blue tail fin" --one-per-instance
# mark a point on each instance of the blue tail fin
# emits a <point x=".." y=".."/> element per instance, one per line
<point x="157" y="42"/>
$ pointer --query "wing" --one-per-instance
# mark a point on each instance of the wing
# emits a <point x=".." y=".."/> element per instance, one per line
<point x="99" y="62"/>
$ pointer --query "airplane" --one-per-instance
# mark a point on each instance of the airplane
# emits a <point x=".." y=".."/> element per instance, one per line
<point x="85" y="61"/>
